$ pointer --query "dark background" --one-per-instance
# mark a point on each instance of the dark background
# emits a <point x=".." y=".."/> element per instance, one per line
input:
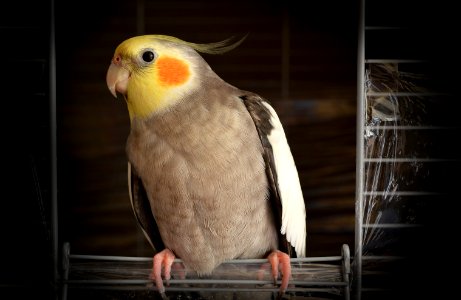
<point x="301" y="57"/>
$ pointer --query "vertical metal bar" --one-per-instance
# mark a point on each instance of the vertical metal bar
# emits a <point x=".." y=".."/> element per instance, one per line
<point x="53" y="146"/>
<point x="285" y="55"/>
<point x="66" y="269"/>
<point x="346" y="265"/>
<point x="360" y="150"/>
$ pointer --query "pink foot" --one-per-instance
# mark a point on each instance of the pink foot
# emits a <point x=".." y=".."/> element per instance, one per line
<point x="280" y="260"/>
<point x="164" y="258"/>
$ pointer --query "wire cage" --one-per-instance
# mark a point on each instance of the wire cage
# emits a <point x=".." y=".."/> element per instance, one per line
<point x="404" y="147"/>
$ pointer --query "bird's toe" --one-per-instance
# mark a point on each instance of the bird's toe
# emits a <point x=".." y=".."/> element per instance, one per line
<point x="280" y="261"/>
<point x="163" y="259"/>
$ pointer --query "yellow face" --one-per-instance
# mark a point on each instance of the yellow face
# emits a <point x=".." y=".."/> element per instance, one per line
<point x="152" y="73"/>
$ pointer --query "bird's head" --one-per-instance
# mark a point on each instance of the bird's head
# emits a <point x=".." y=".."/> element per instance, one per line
<point x="154" y="72"/>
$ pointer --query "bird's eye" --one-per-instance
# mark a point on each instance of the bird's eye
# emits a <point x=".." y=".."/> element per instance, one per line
<point x="148" y="56"/>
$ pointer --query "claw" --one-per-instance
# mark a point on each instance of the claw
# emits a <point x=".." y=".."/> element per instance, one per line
<point x="164" y="258"/>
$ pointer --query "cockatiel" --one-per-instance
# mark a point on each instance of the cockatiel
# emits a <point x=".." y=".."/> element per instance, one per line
<point x="211" y="175"/>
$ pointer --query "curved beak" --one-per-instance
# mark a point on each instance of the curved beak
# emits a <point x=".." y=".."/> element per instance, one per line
<point x="117" y="79"/>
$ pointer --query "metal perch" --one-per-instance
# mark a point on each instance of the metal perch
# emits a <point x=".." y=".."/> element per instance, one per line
<point x="313" y="275"/>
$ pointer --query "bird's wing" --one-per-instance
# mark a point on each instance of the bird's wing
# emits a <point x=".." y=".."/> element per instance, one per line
<point x="142" y="210"/>
<point x="286" y="193"/>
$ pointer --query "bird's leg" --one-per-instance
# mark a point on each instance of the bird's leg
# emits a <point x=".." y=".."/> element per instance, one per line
<point x="280" y="260"/>
<point x="164" y="258"/>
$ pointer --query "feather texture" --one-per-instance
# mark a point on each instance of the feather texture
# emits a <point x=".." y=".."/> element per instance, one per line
<point x="282" y="173"/>
<point x="208" y="48"/>
<point x="202" y="168"/>
<point x="293" y="208"/>
<point x="142" y="210"/>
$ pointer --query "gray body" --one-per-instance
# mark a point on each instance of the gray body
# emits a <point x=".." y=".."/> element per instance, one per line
<point x="202" y="166"/>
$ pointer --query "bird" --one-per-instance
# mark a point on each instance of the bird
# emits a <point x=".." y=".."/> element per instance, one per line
<point x="211" y="176"/>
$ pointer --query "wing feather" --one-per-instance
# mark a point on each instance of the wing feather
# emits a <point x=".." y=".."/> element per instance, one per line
<point x="282" y="173"/>
<point x="142" y="210"/>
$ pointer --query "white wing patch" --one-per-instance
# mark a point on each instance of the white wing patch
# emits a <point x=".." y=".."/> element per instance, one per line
<point x="293" y="208"/>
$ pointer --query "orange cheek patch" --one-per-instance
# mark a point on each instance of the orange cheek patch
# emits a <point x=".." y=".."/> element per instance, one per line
<point x="172" y="71"/>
